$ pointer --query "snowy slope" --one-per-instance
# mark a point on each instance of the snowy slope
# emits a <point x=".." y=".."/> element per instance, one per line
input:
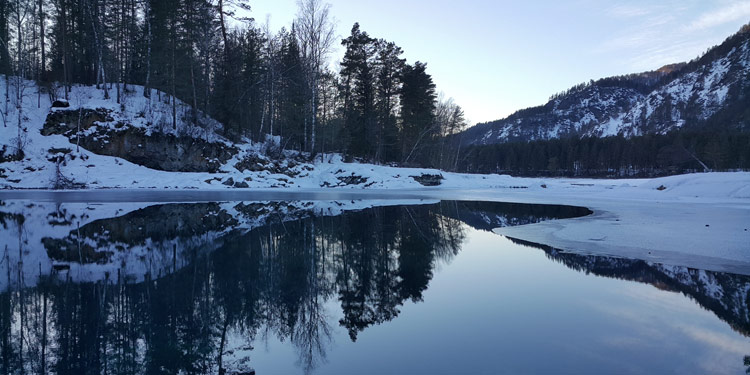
<point x="682" y="95"/>
<point x="247" y="167"/>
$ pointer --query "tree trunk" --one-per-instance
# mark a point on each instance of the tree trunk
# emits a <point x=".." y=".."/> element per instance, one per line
<point x="222" y="343"/>
<point x="43" y="74"/>
<point x="66" y="83"/>
<point x="223" y="27"/>
<point x="174" y="89"/>
<point x="314" y="110"/>
<point x="458" y="149"/>
<point x="146" y="87"/>
<point x="100" y="71"/>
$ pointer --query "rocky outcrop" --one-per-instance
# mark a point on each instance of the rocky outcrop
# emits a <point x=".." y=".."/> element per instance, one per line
<point x="8" y="154"/>
<point x="167" y="152"/>
<point x="428" y="179"/>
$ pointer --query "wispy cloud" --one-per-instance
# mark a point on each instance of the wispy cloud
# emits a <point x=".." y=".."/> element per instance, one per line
<point x="628" y="11"/>
<point x="728" y="13"/>
<point x="658" y="34"/>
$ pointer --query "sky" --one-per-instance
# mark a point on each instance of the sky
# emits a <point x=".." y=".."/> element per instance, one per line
<point x="494" y="57"/>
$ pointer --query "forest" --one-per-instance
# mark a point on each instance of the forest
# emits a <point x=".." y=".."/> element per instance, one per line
<point x="283" y="87"/>
<point x="641" y="156"/>
<point x="258" y="83"/>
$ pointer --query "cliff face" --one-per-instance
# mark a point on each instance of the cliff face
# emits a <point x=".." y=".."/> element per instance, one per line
<point x="102" y="134"/>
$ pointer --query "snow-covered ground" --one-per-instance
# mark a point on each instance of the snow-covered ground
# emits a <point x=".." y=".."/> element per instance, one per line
<point x="700" y="220"/>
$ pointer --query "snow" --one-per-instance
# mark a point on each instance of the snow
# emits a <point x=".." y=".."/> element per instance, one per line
<point x="594" y="111"/>
<point x="698" y="220"/>
<point x="631" y="217"/>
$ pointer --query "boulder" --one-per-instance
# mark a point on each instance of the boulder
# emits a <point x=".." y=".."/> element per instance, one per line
<point x="60" y="104"/>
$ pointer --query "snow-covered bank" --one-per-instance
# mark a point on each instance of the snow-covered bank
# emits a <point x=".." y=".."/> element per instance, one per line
<point x="698" y="220"/>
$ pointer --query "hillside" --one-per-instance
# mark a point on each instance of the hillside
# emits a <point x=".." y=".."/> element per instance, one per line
<point x="90" y="142"/>
<point x="712" y="91"/>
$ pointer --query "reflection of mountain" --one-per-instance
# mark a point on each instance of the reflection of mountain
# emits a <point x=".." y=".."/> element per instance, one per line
<point x="191" y="287"/>
<point x="726" y="295"/>
<point x="491" y="215"/>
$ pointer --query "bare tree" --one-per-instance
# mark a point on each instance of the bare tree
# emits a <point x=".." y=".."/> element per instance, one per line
<point x="271" y="65"/>
<point x="316" y="31"/>
<point x="227" y="9"/>
<point x="95" y="24"/>
<point x="147" y="87"/>
<point x="79" y="102"/>
<point x="22" y="12"/>
<point x="43" y="73"/>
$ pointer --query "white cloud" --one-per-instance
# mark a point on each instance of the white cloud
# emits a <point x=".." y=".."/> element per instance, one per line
<point x="730" y="13"/>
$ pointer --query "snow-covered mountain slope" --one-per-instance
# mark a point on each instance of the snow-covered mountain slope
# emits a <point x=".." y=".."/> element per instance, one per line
<point x="713" y="90"/>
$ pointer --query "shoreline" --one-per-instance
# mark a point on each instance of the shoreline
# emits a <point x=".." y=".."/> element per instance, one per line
<point x="700" y="221"/>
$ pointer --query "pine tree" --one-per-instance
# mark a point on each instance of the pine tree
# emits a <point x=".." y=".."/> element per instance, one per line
<point x="389" y="69"/>
<point x="358" y="79"/>
<point x="417" y="110"/>
<point x="293" y="92"/>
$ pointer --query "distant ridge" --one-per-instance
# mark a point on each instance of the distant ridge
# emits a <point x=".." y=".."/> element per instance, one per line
<point x="709" y="92"/>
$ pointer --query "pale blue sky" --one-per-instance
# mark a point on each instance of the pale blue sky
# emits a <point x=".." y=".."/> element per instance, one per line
<point x="495" y="57"/>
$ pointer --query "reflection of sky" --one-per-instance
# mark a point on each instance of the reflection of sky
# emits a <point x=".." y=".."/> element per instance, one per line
<point x="498" y="56"/>
<point x="670" y="316"/>
<point x="503" y="308"/>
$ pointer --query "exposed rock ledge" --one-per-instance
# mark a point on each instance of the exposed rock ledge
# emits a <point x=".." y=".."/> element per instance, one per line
<point x="101" y="135"/>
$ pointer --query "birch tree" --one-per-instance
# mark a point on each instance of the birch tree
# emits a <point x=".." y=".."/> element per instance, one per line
<point x="316" y="31"/>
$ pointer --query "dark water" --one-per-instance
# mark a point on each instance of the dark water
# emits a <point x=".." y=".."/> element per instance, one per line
<point x="344" y="287"/>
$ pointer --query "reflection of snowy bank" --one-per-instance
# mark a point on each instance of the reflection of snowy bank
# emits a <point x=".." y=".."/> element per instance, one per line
<point x="103" y="241"/>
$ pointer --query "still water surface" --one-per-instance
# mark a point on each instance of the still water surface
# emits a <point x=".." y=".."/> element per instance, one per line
<point x="343" y="287"/>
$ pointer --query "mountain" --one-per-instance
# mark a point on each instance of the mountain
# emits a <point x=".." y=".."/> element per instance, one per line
<point x="710" y="91"/>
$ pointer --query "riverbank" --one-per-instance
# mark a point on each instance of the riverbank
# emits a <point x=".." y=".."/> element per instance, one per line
<point x="698" y="220"/>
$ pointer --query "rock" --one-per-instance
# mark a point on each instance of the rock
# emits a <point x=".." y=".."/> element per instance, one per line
<point x="428" y="179"/>
<point x="164" y="152"/>
<point x="352" y="180"/>
<point x="7" y="155"/>
<point x="228" y="182"/>
<point x="241" y="185"/>
<point x="60" y="104"/>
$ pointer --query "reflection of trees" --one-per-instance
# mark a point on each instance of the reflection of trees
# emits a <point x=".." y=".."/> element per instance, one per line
<point x="388" y="257"/>
<point x="216" y="281"/>
<point x="275" y="278"/>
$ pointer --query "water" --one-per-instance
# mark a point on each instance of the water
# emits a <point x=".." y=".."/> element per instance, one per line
<point x="346" y="286"/>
